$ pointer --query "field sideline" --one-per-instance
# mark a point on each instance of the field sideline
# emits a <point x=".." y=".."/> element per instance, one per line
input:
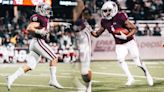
<point x="107" y="77"/>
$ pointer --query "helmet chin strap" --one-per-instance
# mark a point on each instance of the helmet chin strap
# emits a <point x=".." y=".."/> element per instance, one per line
<point x="108" y="18"/>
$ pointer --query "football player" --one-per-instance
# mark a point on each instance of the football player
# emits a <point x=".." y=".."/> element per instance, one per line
<point x="80" y="16"/>
<point x="39" y="28"/>
<point x="112" y="19"/>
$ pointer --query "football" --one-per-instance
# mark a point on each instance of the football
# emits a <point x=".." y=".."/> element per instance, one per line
<point x="123" y="30"/>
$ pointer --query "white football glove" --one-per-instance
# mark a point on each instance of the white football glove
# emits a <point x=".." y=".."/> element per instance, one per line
<point x="41" y="31"/>
<point x="122" y="36"/>
<point x="67" y="25"/>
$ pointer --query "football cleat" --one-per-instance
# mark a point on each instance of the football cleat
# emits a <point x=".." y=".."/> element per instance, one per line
<point x="55" y="84"/>
<point x="10" y="81"/>
<point x="130" y="82"/>
<point x="149" y="79"/>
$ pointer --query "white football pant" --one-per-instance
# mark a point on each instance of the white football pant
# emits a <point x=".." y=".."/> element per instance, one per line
<point x="84" y="44"/>
<point x="39" y="47"/>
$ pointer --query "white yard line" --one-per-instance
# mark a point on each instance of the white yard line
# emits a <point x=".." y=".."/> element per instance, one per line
<point x="32" y="85"/>
<point x="34" y="75"/>
<point x="46" y="86"/>
<point x="122" y="75"/>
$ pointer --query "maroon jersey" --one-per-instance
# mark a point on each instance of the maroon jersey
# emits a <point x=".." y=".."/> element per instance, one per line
<point x="43" y="22"/>
<point x="118" y="21"/>
<point x="80" y="24"/>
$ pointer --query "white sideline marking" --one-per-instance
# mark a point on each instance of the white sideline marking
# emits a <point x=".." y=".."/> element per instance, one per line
<point x="32" y="85"/>
<point x="33" y="75"/>
<point x="115" y="74"/>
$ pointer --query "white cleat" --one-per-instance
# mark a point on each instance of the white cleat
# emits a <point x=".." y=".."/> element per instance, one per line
<point x="89" y="87"/>
<point x="149" y="80"/>
<point x="55" y="84"/>
<point x="130" y="82"/>
<point x="10" y="81"/>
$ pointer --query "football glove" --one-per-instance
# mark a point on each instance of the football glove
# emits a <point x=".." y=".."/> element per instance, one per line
<point x="41" y="31"/>
<point x="122" y="36"/>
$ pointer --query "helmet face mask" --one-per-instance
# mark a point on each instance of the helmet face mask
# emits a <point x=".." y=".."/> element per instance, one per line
<point x="44" y="10"/>
<point x="109" y="10"/>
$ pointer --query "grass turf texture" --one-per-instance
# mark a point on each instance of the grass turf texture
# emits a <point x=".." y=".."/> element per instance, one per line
<point x="107" y="77"/>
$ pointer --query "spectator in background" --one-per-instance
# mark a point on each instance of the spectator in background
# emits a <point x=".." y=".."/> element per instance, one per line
<point x="122" y="4"/>
<point x="129" y="4"/>
<point x="136" y="11"/>
<point x="149" y="9"/>
<point x="147" y="31"/>
<point x="159" y="8"/>
<point x="139" y="32"/>
<point x="156" y="30"/>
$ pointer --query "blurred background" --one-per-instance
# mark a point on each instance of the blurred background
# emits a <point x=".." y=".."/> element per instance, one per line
<point x="148" y="15"/>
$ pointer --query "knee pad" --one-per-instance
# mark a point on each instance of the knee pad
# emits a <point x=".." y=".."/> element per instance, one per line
<point x="32" y="60"/>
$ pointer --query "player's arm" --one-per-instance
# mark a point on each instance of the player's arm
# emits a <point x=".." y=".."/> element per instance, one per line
<point x="131" y="27"/>
<point x="78" y="10"/>
<point x="98" y="32"/>
<point x="55" y="24"/>
<point x="34" y="28"/>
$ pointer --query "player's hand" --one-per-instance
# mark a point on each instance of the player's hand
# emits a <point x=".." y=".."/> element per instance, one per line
<point x="41" y="31"/>
<point x="67" y="25"/>
<point x="122" y="36"/>
<point x="93" y="33"/>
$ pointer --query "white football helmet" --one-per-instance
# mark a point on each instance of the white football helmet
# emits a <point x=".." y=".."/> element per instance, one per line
<point x="109" y="10"/>
<point x="44" y="9"/>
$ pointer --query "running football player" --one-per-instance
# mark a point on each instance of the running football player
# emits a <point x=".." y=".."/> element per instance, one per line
<point x="39" y="28"/>
<point x="80" y="16"/>
<point x="112" y="20"/>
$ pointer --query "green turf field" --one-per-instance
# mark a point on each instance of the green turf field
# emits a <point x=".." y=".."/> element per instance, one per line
<point x="107" y="77"/>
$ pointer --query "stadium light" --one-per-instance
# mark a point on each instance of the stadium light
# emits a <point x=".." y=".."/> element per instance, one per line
<point x="67" y="3"/>
<point x="8" y="2"/>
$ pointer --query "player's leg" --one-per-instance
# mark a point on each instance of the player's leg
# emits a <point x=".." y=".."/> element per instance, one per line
<point x="133" y="49"/>
<point x="84" y="43"/>
<point x="121" y="51"/>
<point x="86" y="73"/>
<point x="31" y="59"/>
<point x="46" y="51"/>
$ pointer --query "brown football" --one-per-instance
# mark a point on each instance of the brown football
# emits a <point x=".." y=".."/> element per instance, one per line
<point x="123" y="30"/>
